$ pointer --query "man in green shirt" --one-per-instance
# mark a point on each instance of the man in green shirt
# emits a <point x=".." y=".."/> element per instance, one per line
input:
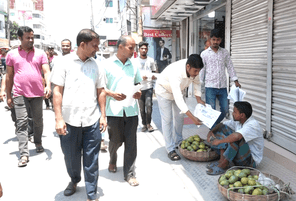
<point x="122" y="119"/>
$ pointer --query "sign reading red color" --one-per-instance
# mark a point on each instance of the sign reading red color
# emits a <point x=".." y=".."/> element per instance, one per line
<point x="158" y="33"/>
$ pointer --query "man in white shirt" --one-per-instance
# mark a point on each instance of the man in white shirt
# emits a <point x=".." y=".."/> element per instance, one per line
<point x="169" y="86"/>
<point x="147" y="67"/>
<point x="239" y="141"/>
<point x="79" y="86"/>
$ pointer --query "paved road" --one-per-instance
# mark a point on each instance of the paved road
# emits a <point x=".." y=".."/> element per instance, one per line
<point x="45" y="177"/>
<point x="160" y="179"/>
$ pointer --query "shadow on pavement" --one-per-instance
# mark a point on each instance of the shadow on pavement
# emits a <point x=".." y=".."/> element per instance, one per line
<point x="14" y="139"/>
<point x="79" y="195"/>
<point x="33" y="152"/>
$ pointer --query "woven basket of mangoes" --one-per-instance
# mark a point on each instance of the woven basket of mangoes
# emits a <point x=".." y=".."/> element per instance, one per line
<point x="195" y="149"/>
<point x="250" y="184"/>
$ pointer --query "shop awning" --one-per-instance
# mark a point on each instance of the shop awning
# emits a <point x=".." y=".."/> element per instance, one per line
<point x="177" y="10"/>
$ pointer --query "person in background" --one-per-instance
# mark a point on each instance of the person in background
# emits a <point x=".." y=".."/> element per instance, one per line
<point x="163" y="56"/>
<point x="216" y="59"/>
<point x="169" y="86"/>
<point x="3" y="57"/>
<point x="147" y="67"/>
<point x="80" y="121"/>
<point x="66" y="46"/>
<point x="25" y="78"/>
<point x="238" y="141"/>
<point x="122" y="121"/>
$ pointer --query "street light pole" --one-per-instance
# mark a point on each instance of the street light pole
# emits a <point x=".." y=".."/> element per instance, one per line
<point x="92" y="16"/>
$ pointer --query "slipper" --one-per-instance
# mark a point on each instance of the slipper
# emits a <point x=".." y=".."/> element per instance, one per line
<point x="211" y="165"/>
<point x="112" y="170"/>
<point x="39" y="149"/>
<point x="216" y="171"/>
<point x="23" y="161"/>
<point x="174" y="156"/>
<point x="133" y="181"/>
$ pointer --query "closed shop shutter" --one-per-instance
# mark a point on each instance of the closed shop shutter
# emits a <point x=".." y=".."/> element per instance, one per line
<point x="283" y="124"/>
<point x="249" y="52"/>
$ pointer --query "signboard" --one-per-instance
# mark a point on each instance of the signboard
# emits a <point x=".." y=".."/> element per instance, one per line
<point x="158" y="33"/>
<point x="112" y="42"/>
<point x="4" y="42"/>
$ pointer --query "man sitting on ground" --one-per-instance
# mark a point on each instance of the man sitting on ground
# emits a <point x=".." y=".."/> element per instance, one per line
<point x="239" y="141"/>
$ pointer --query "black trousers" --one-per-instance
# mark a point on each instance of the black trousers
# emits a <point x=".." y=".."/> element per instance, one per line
<point x="145" y="104"/>
<point x="123" y="129"/>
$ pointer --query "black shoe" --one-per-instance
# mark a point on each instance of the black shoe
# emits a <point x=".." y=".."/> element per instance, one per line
<point x="71" y="189"/>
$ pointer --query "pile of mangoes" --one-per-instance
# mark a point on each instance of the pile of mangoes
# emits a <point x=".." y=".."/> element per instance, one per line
<point x="194" y="143"/>
<point x="243" y="178"/>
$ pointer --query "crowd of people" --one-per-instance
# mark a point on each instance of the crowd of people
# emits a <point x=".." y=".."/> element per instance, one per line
<point x="96" y="84"/>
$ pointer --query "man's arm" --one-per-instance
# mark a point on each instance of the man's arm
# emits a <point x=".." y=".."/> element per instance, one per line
<point x="116" y="96"/>
<point x="195" y="120"/>
<point x="46" y="71"/>
<point x="57" y="103"/>
<point x="101" y="93"/>
<point x="231" y="71"/>
<point x="214" y="130"/>
<point x="9" y="84"/>
<point x="234" y="137"/>
<point x="198" y="99"/>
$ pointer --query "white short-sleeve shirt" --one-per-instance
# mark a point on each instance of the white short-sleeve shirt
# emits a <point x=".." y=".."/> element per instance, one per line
<point x="252" y="133"/>
<point x="80" y="81"/>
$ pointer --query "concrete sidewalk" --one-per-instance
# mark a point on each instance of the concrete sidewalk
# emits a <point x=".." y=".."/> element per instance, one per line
<point x="45" y="177"/>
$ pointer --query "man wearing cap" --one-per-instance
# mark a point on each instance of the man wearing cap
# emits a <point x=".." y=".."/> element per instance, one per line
<point x="24" y="75"/>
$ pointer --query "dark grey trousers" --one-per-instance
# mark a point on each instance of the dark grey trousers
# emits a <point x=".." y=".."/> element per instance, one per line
<point x="123" y="129"/>
<point x="21" y="106"/>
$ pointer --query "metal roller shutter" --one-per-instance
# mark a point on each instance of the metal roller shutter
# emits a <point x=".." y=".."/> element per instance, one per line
<point x="283" y="119"/>
<point x="249" y="52"/>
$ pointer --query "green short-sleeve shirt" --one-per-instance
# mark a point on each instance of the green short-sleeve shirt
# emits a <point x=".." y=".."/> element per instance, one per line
<point x="119" y="75"/>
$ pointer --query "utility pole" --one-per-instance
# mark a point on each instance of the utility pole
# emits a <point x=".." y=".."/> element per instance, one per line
<point x="8" y="27"/>
<point x="140" y="20"/>
<point x="92" y="16"/>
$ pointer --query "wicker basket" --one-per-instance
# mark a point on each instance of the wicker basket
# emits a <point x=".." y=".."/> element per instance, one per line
<point x="199" y="156"/>
<point x="235" y="196"/>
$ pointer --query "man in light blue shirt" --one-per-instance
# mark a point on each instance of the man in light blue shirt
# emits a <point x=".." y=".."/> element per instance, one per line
<point x="239" y="141"/>
<point x="122" y="118"/>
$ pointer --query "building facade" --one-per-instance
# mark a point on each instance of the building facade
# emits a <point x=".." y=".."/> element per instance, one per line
<point x="260" y="36"/>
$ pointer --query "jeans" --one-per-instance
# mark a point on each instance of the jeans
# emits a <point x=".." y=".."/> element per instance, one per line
<point x="87" y="139"/>
<point x="172" y="122"/>
<point x="123" y="129"/>
<point x="145" y="104"/>
<point x="221" y="94"/>
<point x="22" y="105"/>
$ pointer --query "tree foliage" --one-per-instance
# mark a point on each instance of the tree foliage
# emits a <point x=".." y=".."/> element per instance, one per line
<point x="13" y="27"/>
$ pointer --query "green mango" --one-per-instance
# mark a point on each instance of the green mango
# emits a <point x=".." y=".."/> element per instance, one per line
<point x="224" y="183"/>
<point x="257" y="191"/>
<point x="256" y="177"/>
<point x="223" y="177"/>
<point x="244" y="180"/>
<point x="228" y="174"/>
<point x="247" y="171"/>
<point x="242" y="174"/>
<point x="251" y="182"/>
<point x="248" y="189"/>
<point x="233" y="179"/>
<point x="265" y="191"/>
<point x="238" y="184"/>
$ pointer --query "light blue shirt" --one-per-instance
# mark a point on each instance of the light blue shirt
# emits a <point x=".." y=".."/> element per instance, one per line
<point x="252" y="133"/>
<point x="119" y="75"/>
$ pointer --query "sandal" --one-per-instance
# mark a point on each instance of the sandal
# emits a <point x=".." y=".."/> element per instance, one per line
<point x="133" y="181"/>
<point x="39" y="149"/>
<point x="213" y="164"/>
<point x="23" y="161"/>
<point x="216" y="171"/>
<point x="174" y="156"/>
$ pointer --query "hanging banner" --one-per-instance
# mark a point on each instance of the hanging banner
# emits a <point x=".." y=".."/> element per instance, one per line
<point x="158" y="33"/>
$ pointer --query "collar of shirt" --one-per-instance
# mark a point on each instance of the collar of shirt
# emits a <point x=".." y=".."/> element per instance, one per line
<point x="76" y="58"/>
<point x="210" y="49"/>
<point x="21" y="49"/>
<point x="116" y="60"/>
